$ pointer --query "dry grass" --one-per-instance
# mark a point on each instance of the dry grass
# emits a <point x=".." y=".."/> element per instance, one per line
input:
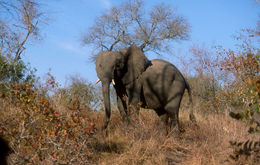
<point x="141" y="143"/>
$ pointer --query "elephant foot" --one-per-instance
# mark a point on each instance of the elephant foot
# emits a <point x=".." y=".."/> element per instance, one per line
<point x="182" y="130"/>
<point x="126" y="121"/>
<point x="105" y="129"/>
<point x="175" y="129"/>
<point x="163" y="130"/>
<point x="192" y="118"/>
<point x="193" y="121"/>
<point x="106" y="132"/>
<point x="176" y="132"/>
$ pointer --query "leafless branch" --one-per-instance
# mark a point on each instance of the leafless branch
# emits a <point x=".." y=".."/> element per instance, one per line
<point x="18" y="23"/>
<point x="129" y="24"/>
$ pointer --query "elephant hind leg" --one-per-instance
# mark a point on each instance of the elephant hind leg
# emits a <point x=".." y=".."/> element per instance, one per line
<point x="164" y="121"/>
<point x="172" y="110"/>
<point x="174" y="123"/>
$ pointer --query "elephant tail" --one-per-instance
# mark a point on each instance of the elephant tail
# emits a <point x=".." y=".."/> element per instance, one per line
<point x="192" y="117"/>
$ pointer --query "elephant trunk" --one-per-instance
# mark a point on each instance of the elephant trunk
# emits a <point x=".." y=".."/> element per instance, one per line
<point x="106" y="95"/>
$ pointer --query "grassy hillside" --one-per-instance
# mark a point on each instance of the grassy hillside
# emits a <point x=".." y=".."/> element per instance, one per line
<point x="56" y="134"/>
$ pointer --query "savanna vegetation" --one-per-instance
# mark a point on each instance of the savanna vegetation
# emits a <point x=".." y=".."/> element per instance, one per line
<point x="45" y="123"/>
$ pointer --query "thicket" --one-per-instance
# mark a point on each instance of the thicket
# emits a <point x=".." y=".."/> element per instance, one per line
<point x="228" y="82"/>
<point x="243" y="92"/>
<point x="39" y="132"/>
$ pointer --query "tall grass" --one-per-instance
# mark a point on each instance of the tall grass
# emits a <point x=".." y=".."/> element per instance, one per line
<point x="43" y="130"/>
<point x="141" y="143"/>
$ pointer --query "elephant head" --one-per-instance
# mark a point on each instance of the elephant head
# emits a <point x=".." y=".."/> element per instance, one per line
<point x="135" y="63"/>
<point x="121" y="68"/>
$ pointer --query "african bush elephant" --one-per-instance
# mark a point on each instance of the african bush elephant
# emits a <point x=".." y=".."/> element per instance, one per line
<point x="117" y="67"/>
<point x="155" y="84"/>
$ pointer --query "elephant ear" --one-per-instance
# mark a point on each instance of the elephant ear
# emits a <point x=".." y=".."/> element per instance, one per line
<point x="135" y="62"/>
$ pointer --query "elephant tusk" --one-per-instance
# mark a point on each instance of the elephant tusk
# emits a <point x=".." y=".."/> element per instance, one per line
<point x="97" y="81"/>
<point x="113" y="82"/>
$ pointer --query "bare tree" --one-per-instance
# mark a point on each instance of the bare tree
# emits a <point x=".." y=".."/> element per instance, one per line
<point x="130" y="24"/>
<point x="19" y="20"/>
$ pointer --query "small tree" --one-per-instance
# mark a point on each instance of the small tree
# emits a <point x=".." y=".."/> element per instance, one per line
<point x="79" y="94"/>
<point x="19" y="21"/>
<point x="243" y="89"/>
<point x="204" y="77"/>
<point x="130" y="24"/>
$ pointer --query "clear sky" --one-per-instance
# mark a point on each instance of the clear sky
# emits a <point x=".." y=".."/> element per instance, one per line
<point x="213" y="22"/>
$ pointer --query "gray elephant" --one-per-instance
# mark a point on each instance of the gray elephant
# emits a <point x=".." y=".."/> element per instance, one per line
<point x="155" y="84"/>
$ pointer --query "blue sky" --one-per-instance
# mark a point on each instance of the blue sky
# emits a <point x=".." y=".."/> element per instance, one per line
<point x="213" y="22"/>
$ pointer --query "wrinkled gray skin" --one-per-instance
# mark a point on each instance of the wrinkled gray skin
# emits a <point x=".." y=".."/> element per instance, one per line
<point x="155" y="84"/>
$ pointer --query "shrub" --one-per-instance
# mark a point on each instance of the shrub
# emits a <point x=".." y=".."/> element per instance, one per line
<point x="79" y="94"/>
<point x="38" y="133"/>
<point x="243" y="92"/>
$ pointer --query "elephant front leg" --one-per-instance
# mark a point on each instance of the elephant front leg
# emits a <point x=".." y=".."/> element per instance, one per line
<point x="134" y="97"/>
<point x="122" y="106"/>
<point x="134" y="104"/>
<point x="121" y="102"/>
<point x="106" y="91"/>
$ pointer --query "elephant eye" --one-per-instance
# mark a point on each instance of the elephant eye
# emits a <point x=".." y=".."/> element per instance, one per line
<point x="118" y="63"/>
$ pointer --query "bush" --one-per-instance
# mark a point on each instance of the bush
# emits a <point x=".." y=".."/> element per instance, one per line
<point x="79" y="94"/>
<point x="38" y="133"/>
<point x="15" y="72"/>
<point x="204" y="91"/>
<point x="229" y="81"/>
